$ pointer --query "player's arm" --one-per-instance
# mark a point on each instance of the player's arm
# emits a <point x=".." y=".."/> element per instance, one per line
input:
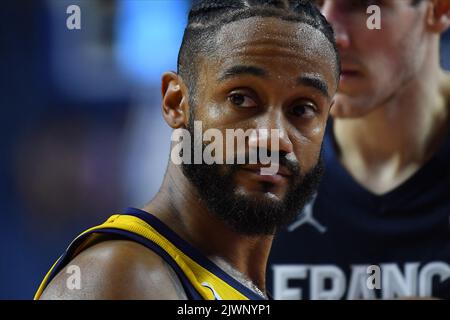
<point x="117" y="269"/>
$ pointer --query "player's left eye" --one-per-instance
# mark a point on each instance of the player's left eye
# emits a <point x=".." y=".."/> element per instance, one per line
<point x="242" y="100"/>
<point x="304" y="110"/>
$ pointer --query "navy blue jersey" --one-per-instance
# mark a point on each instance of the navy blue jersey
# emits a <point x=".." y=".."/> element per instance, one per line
<point x="351" y="244"/>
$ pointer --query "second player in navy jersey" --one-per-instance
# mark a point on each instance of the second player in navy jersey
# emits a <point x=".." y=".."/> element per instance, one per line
<point x="380" y="224"/>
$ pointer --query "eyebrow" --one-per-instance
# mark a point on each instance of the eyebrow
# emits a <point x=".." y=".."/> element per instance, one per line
<point x="315" y="83"/>
<point x="309" y="81"/>
<point x="241" y="70"/>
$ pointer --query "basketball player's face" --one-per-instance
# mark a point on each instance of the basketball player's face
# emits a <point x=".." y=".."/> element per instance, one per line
<point x="260" y="78"/>
<point x="375" y="63"/>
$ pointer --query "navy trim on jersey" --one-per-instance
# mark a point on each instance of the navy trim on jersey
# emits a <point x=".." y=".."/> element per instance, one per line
<point x="191" y="292"/>
<point x="191" y="252"/>
<point x="181" y="244"/>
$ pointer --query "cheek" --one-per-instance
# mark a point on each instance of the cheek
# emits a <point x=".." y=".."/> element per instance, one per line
<point x="214" y="113"/>
<point x="393" y="49"/>
<point x="383" y="65"/>
<point x="307" y="150"/>
<point x="395" y="66"/>
<point x="313" y="132"/>
<point x="211" y="114"/>
<point x="379" y="48"/>
<point x="210" y="109"/>
<point x="220" y="115"/>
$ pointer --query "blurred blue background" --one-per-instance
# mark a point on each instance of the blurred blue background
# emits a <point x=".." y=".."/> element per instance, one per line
<point x="81" y="130"/>
<point x="82" y="135"/>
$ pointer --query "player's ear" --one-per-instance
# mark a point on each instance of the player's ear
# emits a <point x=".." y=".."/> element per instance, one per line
<point x="438" y="15"/>
<point x="174" y="106"/>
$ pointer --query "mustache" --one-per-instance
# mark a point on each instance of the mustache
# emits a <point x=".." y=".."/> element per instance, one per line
<point x="286" y="160"/>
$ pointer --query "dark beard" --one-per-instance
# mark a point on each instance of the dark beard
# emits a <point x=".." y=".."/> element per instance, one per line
<point x="247" y="215"/>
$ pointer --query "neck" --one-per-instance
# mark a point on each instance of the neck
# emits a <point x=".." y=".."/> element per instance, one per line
<point x="386" y="147"/>
<point x="178" y="205"/>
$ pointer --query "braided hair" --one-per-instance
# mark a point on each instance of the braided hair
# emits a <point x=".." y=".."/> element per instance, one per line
<point x="207" y="17"/>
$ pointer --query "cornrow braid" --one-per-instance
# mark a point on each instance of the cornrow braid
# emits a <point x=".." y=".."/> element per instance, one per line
<point x="206" y="17"/>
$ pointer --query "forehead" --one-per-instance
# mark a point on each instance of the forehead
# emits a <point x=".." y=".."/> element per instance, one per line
<point x="276" y="45"/>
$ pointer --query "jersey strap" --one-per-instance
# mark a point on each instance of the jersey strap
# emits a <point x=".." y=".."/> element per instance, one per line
<point x="200" y="277"/>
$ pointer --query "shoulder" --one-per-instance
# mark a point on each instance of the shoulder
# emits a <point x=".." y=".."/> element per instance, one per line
<point x="116" y="269"/>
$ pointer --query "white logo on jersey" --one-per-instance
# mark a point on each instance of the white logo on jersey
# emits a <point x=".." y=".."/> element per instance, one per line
<point x="307" y="217"/>
<point x="210" y="287"/>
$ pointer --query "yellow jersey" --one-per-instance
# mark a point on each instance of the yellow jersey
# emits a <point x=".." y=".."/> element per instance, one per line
<point x="201" y="278"/>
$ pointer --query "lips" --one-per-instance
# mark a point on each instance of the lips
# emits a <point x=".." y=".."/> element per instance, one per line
<point x="349" y="73"/>
<point x="349" y="76"/>
<point x="349" y="69"/>
<point x="282" y="170"/>
<point x="280" y="177"/>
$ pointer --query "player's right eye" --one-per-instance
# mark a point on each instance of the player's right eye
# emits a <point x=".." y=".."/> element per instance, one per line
<point x="242" y="100"/>
<point x="303" y="109"/>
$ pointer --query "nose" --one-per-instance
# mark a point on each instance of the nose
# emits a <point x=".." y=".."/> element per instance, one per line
<point x="335" y="12"/>
<point x="276" y="136"/>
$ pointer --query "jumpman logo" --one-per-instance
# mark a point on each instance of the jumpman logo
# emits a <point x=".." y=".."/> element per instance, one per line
<point x="307" y="217"/>
<point x="210" y="287"/>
